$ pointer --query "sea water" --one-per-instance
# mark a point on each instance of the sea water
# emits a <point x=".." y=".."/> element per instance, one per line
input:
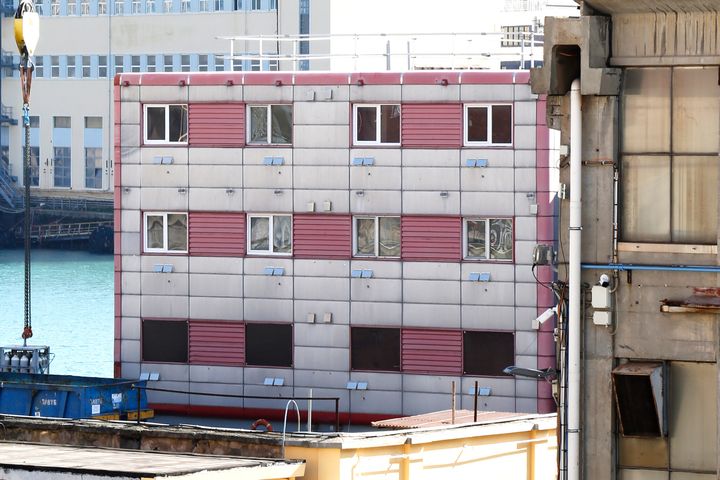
<point x="72" y="308"/>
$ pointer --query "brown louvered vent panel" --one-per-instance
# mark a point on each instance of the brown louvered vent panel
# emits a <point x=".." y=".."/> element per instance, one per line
<point x="217" y="234"/>
<point x="432" y="351"/>
<point x="322" y="236"/>
<point x="216" y="124"/>
<point x="428" y="125"/>
<point x="217" y="343"/>
<point x="431" y="238"/>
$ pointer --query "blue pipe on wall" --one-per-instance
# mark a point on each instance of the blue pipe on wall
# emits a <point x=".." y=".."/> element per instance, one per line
<point x="660" y="268"/>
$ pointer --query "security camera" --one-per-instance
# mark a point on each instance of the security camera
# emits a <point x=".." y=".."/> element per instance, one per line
<point x="604" y="280"/>
<point x="545" y="316"/>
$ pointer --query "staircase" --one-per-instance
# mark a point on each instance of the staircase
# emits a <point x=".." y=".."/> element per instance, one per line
<point x="10" y="196"/>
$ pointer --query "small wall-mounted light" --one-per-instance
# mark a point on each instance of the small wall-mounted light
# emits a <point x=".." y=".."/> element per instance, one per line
<point x="125" y="83"/>
<point x="229" y="83"/>
<point x="360" y="193"/>
<point x="277" y="192"/>
<point x="444" y="194"/>
<point x="278" y="83"/>
<point x="126" y="190"/>
<point x="443" y="82"/>
<point x="360" y="82"/>
<point x="182" y="191"/>
<point x="229" y="192"/>
<point x="182" y="83"/>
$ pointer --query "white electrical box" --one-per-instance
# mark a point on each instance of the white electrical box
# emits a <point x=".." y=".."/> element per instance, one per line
<point x="601" y="297"/>
<point x="602" y="318"/>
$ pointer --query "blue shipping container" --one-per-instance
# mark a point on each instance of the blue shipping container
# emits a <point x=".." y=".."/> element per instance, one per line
<point x="65" y="396"/>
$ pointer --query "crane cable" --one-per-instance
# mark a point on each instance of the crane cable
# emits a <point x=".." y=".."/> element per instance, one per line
<point x="27" y="33"/>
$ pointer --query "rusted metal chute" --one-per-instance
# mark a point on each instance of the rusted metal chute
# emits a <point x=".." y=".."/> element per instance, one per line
<point x="27" y="34"/>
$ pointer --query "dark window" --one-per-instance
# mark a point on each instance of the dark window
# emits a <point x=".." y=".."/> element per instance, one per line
<point x="165" y="341"/>
<point x="639" y="396"/>
<point x="487" y="353"/>
<point x="477" y="124"/>
<point x="268" y="344"/>
<point x="375" y="349"/>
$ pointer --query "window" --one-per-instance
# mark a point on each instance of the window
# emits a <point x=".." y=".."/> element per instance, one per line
<point x="489" y="238"/>
<point x="71" y="67"/>
<point x="376" y="124"/>
<point x="184" y="5"/>
<point x="86" y="66"/>
<point x="513" y="35"/>
<point x="84" y="7"/>
<point x="168" y="62"/>
<point x="219" y="62"/>
<point x="150" y="6"/>
<point x="375" y="349"/>
<point x="270" y="234"/>
<point x="102" y="7"/>
<point x="54" y="8"/>
<point x="270" y="124"/>
<point x="71" y="7"/>
<point x="39" y="7"/>
<point x="135" y="63"/>
<point x="254" y="65"/>
<point x="273" y="5"/>
<point x="135" y="6"/>
<point x="268" y="344"/>
<point x="39" y="68"/>
<point x="166" y="232"/>
<point x="204" y="5"/>
<point x="273" y="65"/>
<point x="93" y="167"/>
<point x="256" y="4"/>
<point x="165" y="341"/>
<point x="167" y="6"/>
<point x="638" y="386"/>
<point x="61" y="166"/>
<point x="55" y="66"/>
<point x="669" y="155"/>
<point x="34" y="166"/>
<point x="377" y="237"/>
<point x="119" y="7"/>
<point x="237" y="65"/>
<point x="219" y="5"/>
<point x="166" y="123"/>
<point x="151" y="63"/>
<point x="184" y="63"/>
<point x="488" y="125"/>
<point x="202" y="63"/>
<point x="102" y="66"/>
<point x="487" y="353"/>
<point x="119" y="67"/>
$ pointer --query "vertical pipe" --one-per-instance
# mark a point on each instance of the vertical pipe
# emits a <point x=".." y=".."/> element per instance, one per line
<point x="453" y="403"/>
<point x="309" y="418"/>
<point x="387" y="55"/>
<point x="475" y="400"/>
<point x="574" y="280"/>
<point x="138" y="403"/>
<point x="337" y="414"/>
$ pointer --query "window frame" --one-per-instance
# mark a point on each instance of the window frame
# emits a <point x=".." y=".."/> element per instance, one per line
<point x="268" y="126"/>
<point x="489" y="143"/>
<point x="166" y="140"/>
<point x="352" y="348"/>
<point x="378" y="125"/>
<point x="164" y="249"/>
<point x="376" y="254"/>
<point x="271" y="228"/>
<point x="487" y="220"/>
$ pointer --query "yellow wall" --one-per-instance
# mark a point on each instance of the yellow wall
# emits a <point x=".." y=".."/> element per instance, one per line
<point x="517" y="455"/>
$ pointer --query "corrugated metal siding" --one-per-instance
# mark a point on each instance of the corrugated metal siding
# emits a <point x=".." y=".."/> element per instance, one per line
<point x="322" y="236"/>
<point x="216" y="124"/>
<point x="432" y="125"/>
<point x="217" y="234"/>
<point x="216" y="343"/>
<point x="432" y="351"/>
<point x="431" y="238"/>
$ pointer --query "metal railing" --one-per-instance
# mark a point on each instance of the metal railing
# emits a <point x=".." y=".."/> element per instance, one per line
<point x="63" y="231"/>
<point x="414" y="51"/>
<point x="8" y="189"/>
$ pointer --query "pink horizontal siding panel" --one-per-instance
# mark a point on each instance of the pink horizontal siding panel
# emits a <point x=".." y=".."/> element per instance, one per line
<point x="431" y="238"/>
<point x="216" y="124"/>
<point x="432" y="351"/>
<point x="322" y="236"/>
<point x="432" y="125"/>
<point x="213" y="342"/>
<point x="217" y="234"/>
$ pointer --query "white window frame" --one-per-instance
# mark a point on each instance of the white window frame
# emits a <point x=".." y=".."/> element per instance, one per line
<point x="54" y="8"/>
<point x="489" y="107"/>
<point x="204" y="6"/>
<point x="271" y="228"/>
<point x="376" y="254"/>
<point x="135" y="7"/>
<point x="378" y="126"/>
<point x="268" y="139"/>
<point x="487" y="221"/>
<point x="102" y="7"/>
<point x="71" y="7"/>
<point x="86" y="70"/>
<point x="165" y="232"/>
<point x="167" y="6"/>
<point x="119" y="6"/>
<point x="165" y="141"/>
<point x="84" y="7"/>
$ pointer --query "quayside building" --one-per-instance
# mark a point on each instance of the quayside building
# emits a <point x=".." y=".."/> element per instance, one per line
<point x="368" y="236"/>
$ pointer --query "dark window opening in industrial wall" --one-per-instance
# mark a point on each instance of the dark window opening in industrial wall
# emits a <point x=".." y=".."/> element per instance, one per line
<point x="375" y="349"/>
<point x="487" y="353"/>
<point x="268" y="344"/>
<point x="165" y="341"/>
<point x="488" y="125"/>
<point x="669" y="146"/>
<point x="689" y="448"/>
<point x="640" y="398"/>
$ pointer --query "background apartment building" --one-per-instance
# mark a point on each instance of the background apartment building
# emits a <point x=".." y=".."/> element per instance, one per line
<point x="368" y="236"/>
<point x="650" y="139"/>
